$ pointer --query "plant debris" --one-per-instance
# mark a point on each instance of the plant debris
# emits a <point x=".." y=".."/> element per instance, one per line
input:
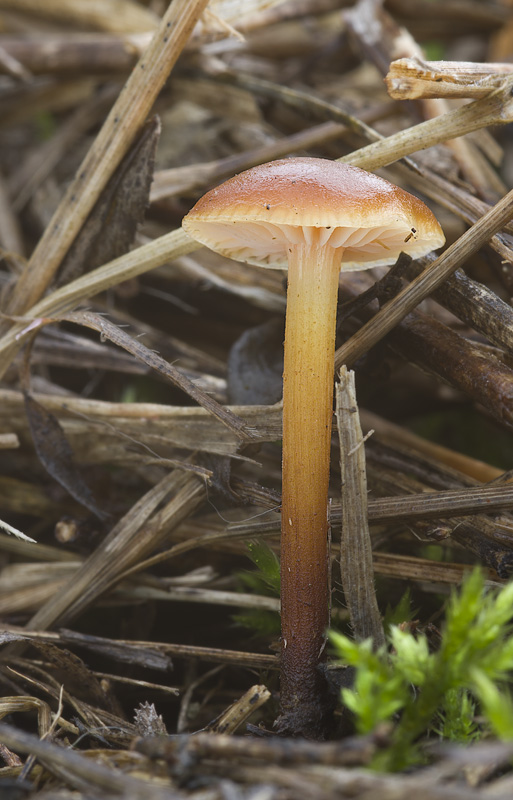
<point x="141" y="415"/>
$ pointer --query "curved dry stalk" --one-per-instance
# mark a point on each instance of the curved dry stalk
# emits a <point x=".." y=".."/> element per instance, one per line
<point x="496" y="108"/>
<point x="122" y="124"/>
<point x="166" y="248"/>
<point x="429" y="280"/>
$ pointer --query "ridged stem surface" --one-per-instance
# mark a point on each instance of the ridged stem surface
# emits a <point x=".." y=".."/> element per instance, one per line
<point x="307" y="417"/>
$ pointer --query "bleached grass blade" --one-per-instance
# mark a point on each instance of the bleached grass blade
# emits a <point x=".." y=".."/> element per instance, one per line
<point x="15" y="532"/>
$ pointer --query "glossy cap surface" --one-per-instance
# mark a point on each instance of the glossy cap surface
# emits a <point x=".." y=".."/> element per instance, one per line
<point x="259" y="214"/>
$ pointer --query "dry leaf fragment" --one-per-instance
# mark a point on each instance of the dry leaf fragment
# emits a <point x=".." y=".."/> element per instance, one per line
<point x="56" y="455"/>
<point x="111" y="226"/>
<point x="110" y="331"/>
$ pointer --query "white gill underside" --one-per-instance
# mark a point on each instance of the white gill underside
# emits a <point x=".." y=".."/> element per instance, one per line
<point x="268" y="243"/>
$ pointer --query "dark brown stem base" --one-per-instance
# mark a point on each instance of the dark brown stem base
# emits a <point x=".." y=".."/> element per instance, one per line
<point x="308" y="714"/>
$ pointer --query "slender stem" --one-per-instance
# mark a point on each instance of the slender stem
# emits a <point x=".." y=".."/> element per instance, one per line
<point x="307" y="415"/>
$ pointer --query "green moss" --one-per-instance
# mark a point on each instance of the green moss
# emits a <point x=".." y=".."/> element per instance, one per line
<point x="421" y="692"/>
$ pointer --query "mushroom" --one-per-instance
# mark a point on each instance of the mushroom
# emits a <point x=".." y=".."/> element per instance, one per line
<point x="315" y="217"/>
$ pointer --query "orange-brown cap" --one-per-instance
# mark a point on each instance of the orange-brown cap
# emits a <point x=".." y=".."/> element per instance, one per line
<point x="257" y="215"/>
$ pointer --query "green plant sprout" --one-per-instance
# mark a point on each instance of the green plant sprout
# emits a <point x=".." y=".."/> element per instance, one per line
<point x="421" y="692"/>
<point x="400" y="613"/>
<point x="268" y="567"/>
<point x="264" y="580"/>
<point x="458" y="717"/>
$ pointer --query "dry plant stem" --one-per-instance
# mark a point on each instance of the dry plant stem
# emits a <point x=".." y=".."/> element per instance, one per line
<point x="455" y="360"/>
<point x="305" y="781"/>
<point x="469" y="300"/>
<point x="280" y="11"/>
<point x="403" y="567"/>
<point x="10" y="231"/>
<point x="394" y="434"/>
<point x="76" y="770"/>
<point x="382" y="38"/>
<point x="413" y="78"/>
<point x="153" y="254"/>
<point x="189" y="427"/>
<point x="494" y="109"/>
<point x="429" y="280"/>
<point x="129" y="540"/>
<point x="208" y="654"/>
<point x="473" y="16"/>
<point x="13" y="705"/>
<point x="9" y="441"/>
<point x="110" y="331"/>
<point x="79" y="53"/>
<point x="208" y="597"/>
<point x="309" y="104"/>
<point x="238" y="749"/>
<point x="480" y="308"/>
<point x="24" y="181"/>
<point x="307" y="412"/>
<point x="177" y="243"/>
<point x="12" y="67"/>
<point x="236" y="714"/>
<point x="125" y="119"/>
<point x="20" y="595"/>
<point x="422" y="506"/>
<point x="356" y="568"/>
<point x="178" y="180"/>
<point x="113" y="15"/>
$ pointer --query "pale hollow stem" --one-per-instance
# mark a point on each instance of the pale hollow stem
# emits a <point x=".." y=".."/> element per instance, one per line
<point x="307" y="416"/>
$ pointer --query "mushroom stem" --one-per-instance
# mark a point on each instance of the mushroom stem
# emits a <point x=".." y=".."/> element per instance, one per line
<point x="313" y="275"/>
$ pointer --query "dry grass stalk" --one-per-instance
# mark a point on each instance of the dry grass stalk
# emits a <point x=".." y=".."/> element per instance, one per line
<point x="149" y="256"/>
<point x="331" y="775"/>
<point x="15" y="532"/>
<point x="385" y="40"/>
<point x="496" y="108"/>
<point x="72" y="53"/>
<point x="394" y="434"/>
<point x="78" y="771"/>
<point x="10" y="233"/>
<point x="185" y="179"/>
<point x="109" y="331"/>
<point x="493" y="110"/>
<point x="456" y="502"/>
<point x="9" y="441"/>
<point x="14" y="705"/>
<point x="426" y="282"/>
<point x="413" y="78"/>
<point x="356" y="568"/>
<point x="306" y="69"/>
<point x="248" y="750"/>
<point x="129" y="540"/>
<point x="107" y="15"/>
<point x="124" y="121"/>
<point x="234" y="716"/>
<point x="430" y="573"/>
<point x="439" y="350"/>
<point x="138" y="650"/>
<point x="186" y="427"/>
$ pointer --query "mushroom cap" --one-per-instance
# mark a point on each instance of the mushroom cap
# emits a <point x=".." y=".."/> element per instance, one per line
<point x="257" y="215"/>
